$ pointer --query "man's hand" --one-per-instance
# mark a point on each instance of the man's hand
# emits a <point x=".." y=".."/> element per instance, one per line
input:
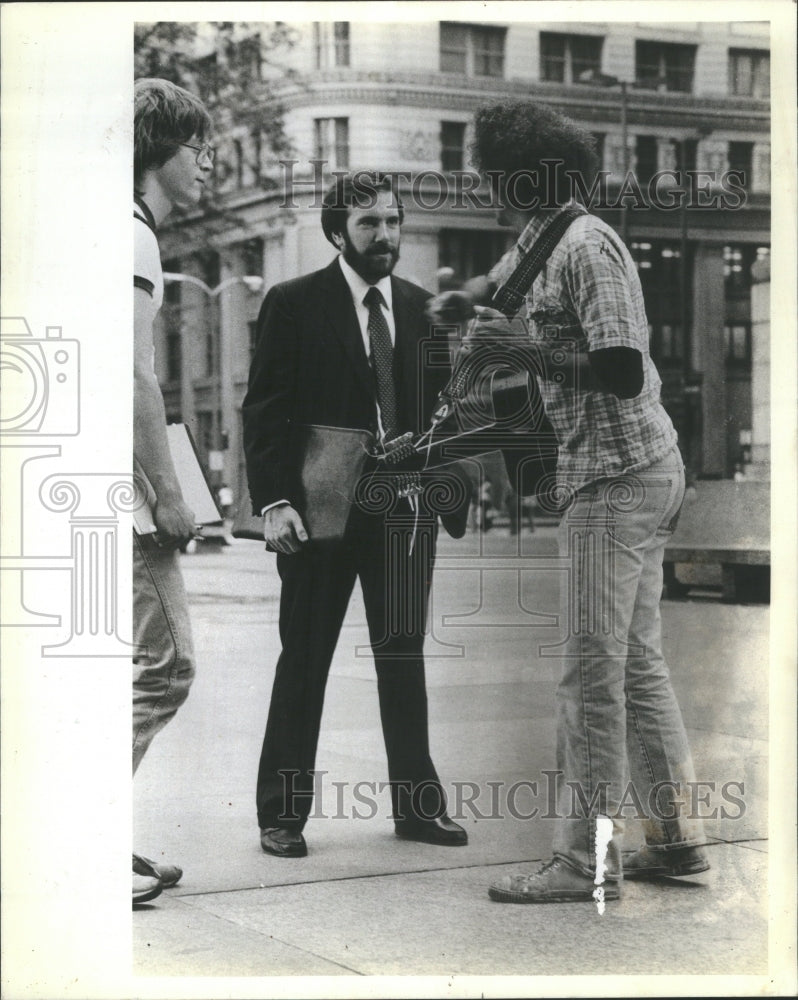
<point x="450" y="307"/>
<point x="283" y="529"/>
<point x="493" y="327"/>
<point x="175" y="523"/>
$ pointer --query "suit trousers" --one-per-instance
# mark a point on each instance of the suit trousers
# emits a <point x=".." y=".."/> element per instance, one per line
<point x="317" y="583"/>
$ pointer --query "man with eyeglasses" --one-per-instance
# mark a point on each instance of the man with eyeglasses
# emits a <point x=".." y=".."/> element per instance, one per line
<point x="172" y="164"/>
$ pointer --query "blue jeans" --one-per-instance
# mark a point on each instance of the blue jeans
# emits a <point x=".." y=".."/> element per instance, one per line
<point x="163" y="665"/>
<point x="617" y="715"/>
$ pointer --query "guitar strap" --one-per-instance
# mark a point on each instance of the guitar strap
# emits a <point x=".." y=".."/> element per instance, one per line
<point x="510" y="296"/>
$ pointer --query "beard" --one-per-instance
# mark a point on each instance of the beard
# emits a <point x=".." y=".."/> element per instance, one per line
<point x="375" y="263"/>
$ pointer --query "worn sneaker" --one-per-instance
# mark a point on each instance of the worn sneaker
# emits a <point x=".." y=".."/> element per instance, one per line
<point x="168" y="875"/>
<point x="554" y="882"/>
<point x="145" y="888"/>
<point x="649" y="862"/>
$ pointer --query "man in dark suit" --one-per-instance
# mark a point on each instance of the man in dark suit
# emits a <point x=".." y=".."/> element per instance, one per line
<point x="342" y="347"/>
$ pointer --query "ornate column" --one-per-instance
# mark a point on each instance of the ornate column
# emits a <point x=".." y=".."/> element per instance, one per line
<point x="94" y="502"/>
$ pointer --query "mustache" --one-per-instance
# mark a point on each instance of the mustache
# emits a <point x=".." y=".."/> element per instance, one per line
<point x="381" y="248"/>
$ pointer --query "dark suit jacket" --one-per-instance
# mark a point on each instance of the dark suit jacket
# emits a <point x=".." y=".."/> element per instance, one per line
<point x="310" y="367"/>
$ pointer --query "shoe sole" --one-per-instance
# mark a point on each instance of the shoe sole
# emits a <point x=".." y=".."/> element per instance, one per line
<point x="302" y="852"/>
<point x="676" y="871"/>
<point x="434" y="843"/>
<point x="577" y="896"/>
<point x="145" y="897"/>
<point x="143" y="866"/>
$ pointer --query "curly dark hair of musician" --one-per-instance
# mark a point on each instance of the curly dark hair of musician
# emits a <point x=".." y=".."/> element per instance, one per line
<point x="530" y="153"/>
<point x="355" y="190"/>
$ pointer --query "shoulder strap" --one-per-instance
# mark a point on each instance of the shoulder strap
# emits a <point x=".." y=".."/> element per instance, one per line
<point x="510" y="296"/>
<point x="141" y="211"/>
<point x="508" y="299"/>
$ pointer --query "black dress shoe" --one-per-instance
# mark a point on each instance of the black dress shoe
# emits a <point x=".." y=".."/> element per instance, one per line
<point x="282" y="842"/>
<point x="441" y="831"/>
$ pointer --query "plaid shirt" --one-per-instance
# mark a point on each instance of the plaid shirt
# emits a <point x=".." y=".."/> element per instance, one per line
<point x="588" y="297"/>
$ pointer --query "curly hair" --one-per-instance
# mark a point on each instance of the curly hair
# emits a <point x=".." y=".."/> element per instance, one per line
<point x="165" y="116"/>
<point x="358" y="189"/>
<point x="528" y="150"/>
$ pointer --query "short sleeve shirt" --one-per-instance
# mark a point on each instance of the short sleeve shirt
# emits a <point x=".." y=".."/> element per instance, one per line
<point x="588" y="297"/>
<point x="147" y="271"/>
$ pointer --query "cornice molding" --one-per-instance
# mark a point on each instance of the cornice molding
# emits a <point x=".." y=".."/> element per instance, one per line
<point x="456" y="93"/>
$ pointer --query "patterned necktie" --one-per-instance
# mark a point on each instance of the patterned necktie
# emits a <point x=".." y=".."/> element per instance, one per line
<point x="382" y="362"/>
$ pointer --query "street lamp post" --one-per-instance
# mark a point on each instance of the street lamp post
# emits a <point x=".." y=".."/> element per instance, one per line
<point x="224" y="386"/>
<point x="590" y="76"/>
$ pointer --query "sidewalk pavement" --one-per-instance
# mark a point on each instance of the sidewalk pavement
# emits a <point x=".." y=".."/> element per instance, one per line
<point x="365" y="903"/>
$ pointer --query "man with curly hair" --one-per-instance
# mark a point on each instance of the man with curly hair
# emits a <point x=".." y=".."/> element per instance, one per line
<point x="172" y="161"/>
<point x="620" y="468"/>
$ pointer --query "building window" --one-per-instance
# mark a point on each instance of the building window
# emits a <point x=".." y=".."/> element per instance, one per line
<point x="171" y="315"/>
<point x="256" y="143"/>
<point x="252" y="256"/>
<point x="341" y="42"/>
<point x="252" y="329"/>
<point x="205" y="432"/>
<point x="470" y="252"/>
<point x="472" y="50"/>
<point x="453" y="48"/>
<point x="453" y="145"/>
<point x="211" y="268"/>
<point x="599" y="139"/>
<point x="238" y="162"/>
<point x="210" y="352"/>
<point x="749" y="73"/>
<point x="174" y="355"/>
<point x="318" y="45"/>
<point x="645" y="157"/>
<point x="331" y="43"/>
<point x="741" y="156"/>
<point x="738" y="344"/>
<point x="664" y="66"/>
<point x="737" y="263"/>
<point x="564" y="57"/>
<point x="659" y="265"/>
<point x="332" y="142"/>
<point x="488" y="51"/>
<point x="686" y="154"/>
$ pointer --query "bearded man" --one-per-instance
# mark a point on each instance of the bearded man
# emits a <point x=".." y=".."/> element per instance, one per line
<point x="340" y="348"/>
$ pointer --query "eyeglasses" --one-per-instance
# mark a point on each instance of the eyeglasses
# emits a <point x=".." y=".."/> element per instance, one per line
<point x="206" y="150"/>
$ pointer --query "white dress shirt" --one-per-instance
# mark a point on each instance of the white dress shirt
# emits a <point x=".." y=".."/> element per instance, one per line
<point x="359" y="287"/>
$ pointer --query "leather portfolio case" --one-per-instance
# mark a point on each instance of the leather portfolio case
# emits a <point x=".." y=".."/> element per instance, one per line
<point x="332" y="461"/>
